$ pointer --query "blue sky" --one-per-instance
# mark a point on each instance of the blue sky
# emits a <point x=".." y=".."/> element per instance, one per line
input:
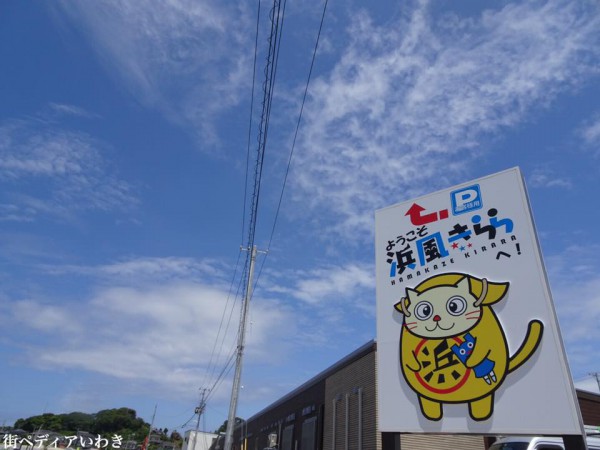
<point x="123" y="142"/>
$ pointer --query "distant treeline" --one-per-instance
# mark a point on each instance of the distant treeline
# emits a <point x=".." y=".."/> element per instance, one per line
<point x="122" y="421"/>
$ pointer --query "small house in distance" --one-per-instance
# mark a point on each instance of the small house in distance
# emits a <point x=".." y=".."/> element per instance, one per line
<point x="198" y="440"/>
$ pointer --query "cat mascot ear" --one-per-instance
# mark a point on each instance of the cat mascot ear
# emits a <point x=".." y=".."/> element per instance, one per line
<point x="404" y="303"/>
<point x="488" y="292"/>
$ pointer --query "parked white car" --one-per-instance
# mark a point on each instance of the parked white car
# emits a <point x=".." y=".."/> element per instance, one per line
<point x="539" y="443"/>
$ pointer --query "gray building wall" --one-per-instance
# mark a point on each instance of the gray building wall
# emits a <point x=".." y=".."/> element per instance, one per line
<point x="350" y="421"/>
<point x="440" y="442"/>
<point x="340" y="405"/>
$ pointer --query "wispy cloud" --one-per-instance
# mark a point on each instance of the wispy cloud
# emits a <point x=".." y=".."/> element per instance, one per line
<point x="331" y="293"/>
<point x="142" y="269"/>
<point x="148" y="316"/>
<point x="333" y="284"/>
<point x="547" y="178"/>
<point x="578" y="307"/>
<point x="576" y="286"/>
<point x="159" y="334"/>
<point x="323" y="286"/>
<point x="164" y="324"/>
<point x="407" y="105"/>
<point x="47" y="170"/>
<point x="590" y="133"/>
<point x="71" y="110"/>
<point x="575" y="263"/>
<point x="188" y="59"/>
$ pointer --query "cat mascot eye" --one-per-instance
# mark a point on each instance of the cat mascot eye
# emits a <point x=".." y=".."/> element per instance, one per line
<point x="423" y="310"/>
<point x="456" y="305"/>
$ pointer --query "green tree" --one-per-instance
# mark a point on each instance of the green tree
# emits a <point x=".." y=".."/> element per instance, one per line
<point x="77" y="421"/>
<point x="223" y="428"/>
<point x="45" y="421"/>
<point x="120" y="421"/>
<point x="116" y="420"/>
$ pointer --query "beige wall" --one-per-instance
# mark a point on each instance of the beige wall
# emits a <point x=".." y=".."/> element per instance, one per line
<point x="346" y="387"/>
<point x="342" y="388"/>
<point x="440" y="442"/>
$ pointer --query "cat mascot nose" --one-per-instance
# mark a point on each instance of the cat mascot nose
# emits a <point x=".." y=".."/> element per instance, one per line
<point x="436" y="318"/>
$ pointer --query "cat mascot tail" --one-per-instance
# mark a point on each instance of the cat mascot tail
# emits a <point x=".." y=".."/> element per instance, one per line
<point x="533" y="338"/>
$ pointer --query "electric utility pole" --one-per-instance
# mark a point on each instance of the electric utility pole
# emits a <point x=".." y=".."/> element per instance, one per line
<point x="235" y="390"/>
<point x="147" y="441"/>
<point x="596" y="375"/>
<point x="199" y="410"/>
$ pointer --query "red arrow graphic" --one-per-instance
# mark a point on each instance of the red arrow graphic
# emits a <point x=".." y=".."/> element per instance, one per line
<point x="416" y="216"/>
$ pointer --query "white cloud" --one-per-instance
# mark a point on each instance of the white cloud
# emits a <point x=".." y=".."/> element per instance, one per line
<point x="331" y="293"/>
<point x="43" y="317"/>
<point x="336" y="284"/>
<point x="576" y="290"/>
<point x="189" y="59"/>
<point x="323" y="286"/>
<point x="167" y="325"/>
<point x="159" y="334"/>
<point x="42" y="154"/>
<point x="578" y="309"/>
<point x="16" y="213"/>
<point x="408" y="104"/>
<point x="141" y="269"/>
<point x="62" y="109"/>
<point x="46" y="170"/>
<point x="590" y="133"/>
<point x="547" y="178"/>
<point x="574" y="264"/>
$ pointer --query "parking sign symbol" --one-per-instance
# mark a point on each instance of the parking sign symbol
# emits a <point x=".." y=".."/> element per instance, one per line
<point x="466" y="199"/>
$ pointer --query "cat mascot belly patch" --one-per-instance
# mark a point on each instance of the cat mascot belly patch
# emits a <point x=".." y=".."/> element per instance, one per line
<point x="452" y="346"/>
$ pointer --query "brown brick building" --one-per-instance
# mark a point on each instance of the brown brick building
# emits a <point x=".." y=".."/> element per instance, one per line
<point x="337" y="410"/>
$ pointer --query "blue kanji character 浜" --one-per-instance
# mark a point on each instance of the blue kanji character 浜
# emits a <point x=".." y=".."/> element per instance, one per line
<point x="404" y="259"/>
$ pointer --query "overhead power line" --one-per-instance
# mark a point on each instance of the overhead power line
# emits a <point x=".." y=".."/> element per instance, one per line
<point x="277" y="15"/>
<point x="250" y="121"/>
<point x="272" y="58"/>
<point x="289" y="163"/>
<point x="221" y="335"/>
<point x="212" y="364"/>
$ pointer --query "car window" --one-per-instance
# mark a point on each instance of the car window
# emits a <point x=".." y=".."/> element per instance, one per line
<point x="510" y="446"/>
<point x="545" y="446"/>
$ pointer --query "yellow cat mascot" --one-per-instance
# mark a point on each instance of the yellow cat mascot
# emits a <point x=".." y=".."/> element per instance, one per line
<point x="452" y="346"/>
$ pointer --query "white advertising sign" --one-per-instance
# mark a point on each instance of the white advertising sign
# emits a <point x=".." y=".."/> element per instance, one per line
<point x="467" y="336"/>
